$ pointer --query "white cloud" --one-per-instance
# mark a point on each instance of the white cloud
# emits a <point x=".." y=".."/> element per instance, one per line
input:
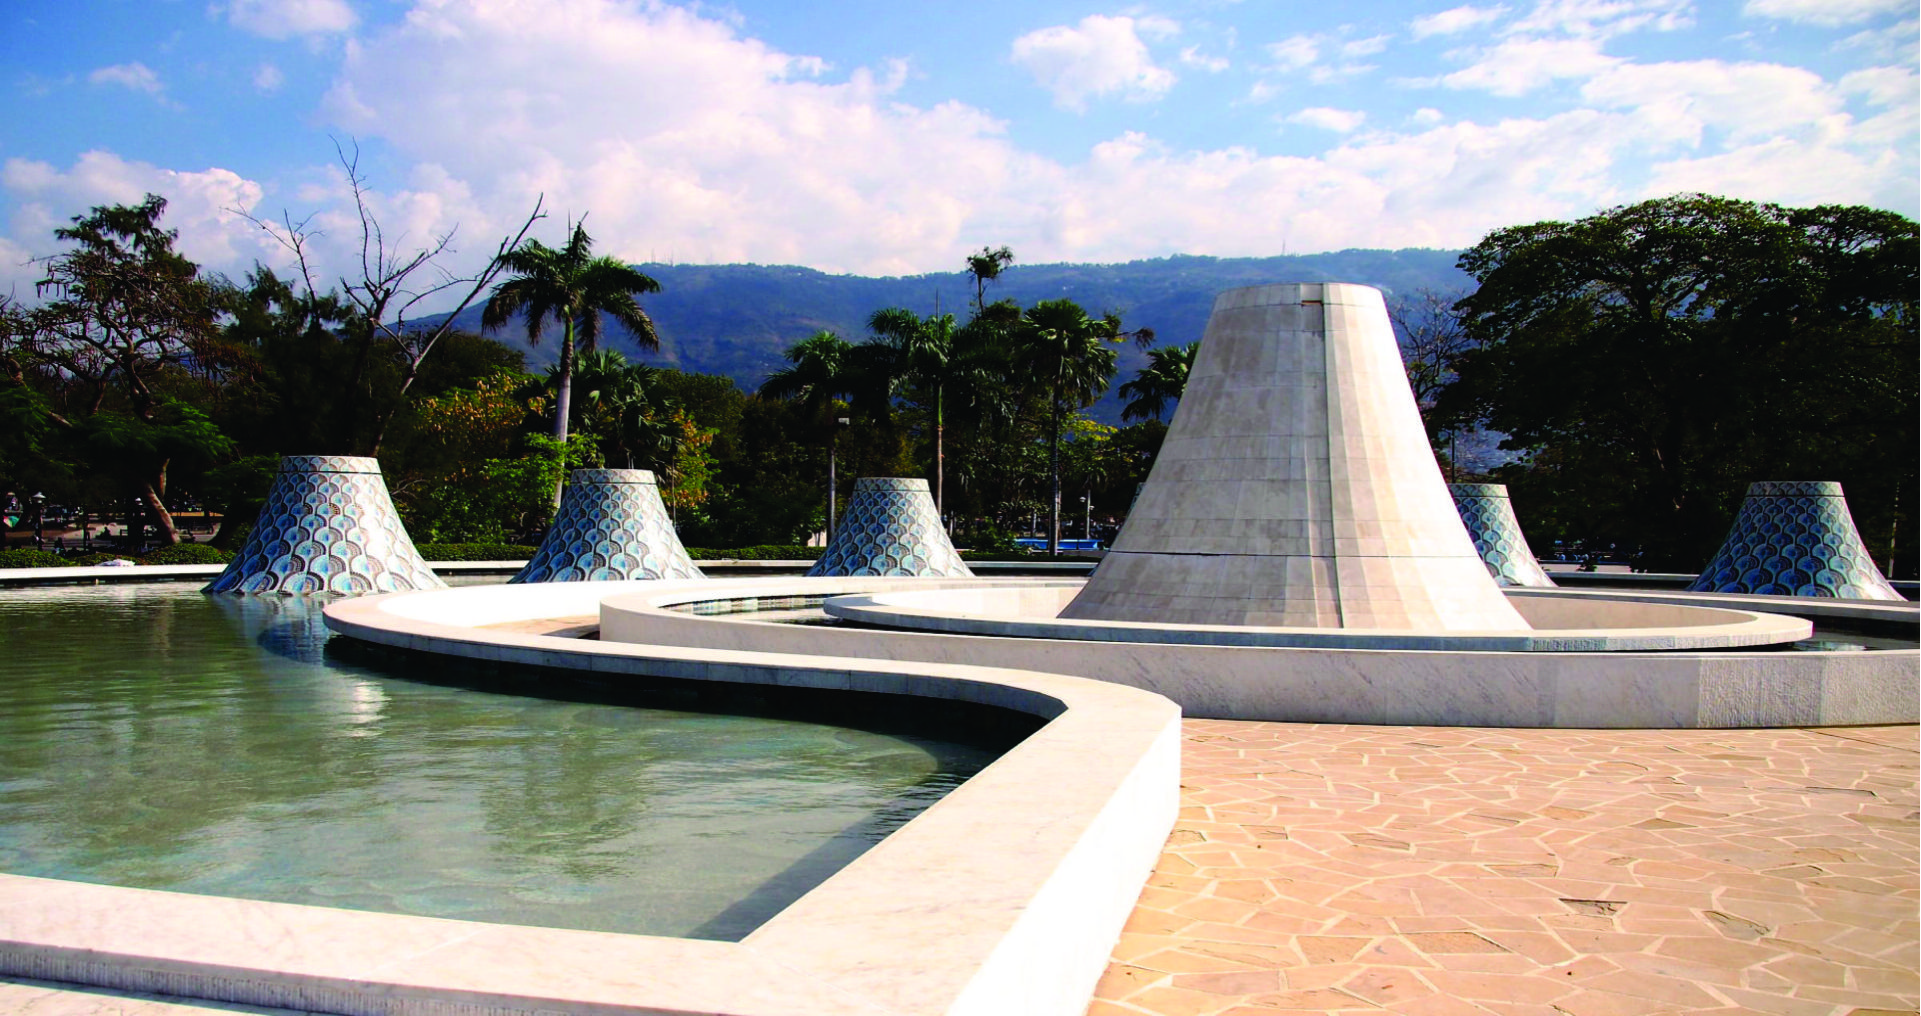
<point x="1295" y="53"/>
<point x="1516" y="67"/>
<point x="1454" y="21"/>
<point x="1340" y="121"/>
<point x="268" y="79"/>
<point x="1364" y="47"/>
<point x="1825" y="12"/>
<point x="1308" y="54"/>
<point x="1192" y="56"/>
<point x="1747" y="101"/>
<point x="1602" y="19"/>
<point x="1100" y="56"/>
<point x="1785" y="170"/>
<point x="280" y="19"/>
<point x="1884" y="86"/>
<point x="1426" y="116"/>
<point x="1897" y="43"/>
<point x="137" y="76"/>
<point x="199" y="204"/>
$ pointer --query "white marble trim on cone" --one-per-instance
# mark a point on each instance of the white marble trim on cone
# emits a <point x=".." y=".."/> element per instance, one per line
<point x="1002" y="898"/>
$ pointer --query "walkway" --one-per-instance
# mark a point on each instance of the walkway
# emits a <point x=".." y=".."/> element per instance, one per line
<point x="1436" y="871"/>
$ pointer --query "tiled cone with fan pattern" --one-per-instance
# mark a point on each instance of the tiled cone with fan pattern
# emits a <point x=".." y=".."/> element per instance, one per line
<point x="328" y="527"/>
<point x="890" y="527"/>
<point x="1795" y="538"/>
<point x="1296" y="487"/>
<point x="612" y="525"/>
<point x="1489" y="517"/>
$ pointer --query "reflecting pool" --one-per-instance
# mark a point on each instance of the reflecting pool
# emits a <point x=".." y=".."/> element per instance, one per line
<point x="154" y="737"/>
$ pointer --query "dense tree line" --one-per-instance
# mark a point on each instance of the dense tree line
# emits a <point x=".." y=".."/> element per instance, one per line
<point x="1646" y="363"/>
<point x="1639" y="368"/>
<point x="141" y="384"/>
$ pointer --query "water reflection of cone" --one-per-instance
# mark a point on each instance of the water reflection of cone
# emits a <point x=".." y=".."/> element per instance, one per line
<point x="612" y="524"/>
<point x="890" y="527"/>
<point x="1795" y="538"/>
<point x="328" y="527"/>
<point x="1489" y="517"/>
<point x="1296" y="486"/>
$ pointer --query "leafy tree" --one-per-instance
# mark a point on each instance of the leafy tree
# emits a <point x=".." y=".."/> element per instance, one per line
<point x="1158" y="383"/>
<point x="985" y="267"/>
<point x="389" y="341"/>
<point x="1653" y="359"/>
<point x="130" y="330"/>
<point x="571" y="284"/>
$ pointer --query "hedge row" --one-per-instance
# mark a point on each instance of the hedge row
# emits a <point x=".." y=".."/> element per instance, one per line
<point x="184" y="553"/>
<point x="764" y="552"/>
<point x="474" y="551"/>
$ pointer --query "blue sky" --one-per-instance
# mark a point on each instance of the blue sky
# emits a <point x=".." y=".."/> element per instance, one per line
<point x="888" y="137"/>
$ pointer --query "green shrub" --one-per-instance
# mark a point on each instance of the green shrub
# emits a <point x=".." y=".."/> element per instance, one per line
<point x="763" y="552"/>
<point x="188" y="553"/>
<point x="27" y="557"/>
<point x="474" y="551"/>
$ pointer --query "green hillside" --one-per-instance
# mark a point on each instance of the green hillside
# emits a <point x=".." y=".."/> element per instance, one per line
<point x="736" y="319"/>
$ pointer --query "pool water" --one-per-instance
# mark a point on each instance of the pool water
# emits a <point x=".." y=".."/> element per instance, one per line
<point x="154" y="737"/>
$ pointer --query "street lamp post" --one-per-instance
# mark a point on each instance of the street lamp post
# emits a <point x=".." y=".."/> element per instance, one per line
<point x="833" y="449"/>
<point x="39" y="515"/>
<point x="1087" y="522"/>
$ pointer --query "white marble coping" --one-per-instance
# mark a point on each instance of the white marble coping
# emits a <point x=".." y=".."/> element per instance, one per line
<point x="91" y="574"/>
<point x="1561" y="623"/>
<point x="1004" y="897"/>
<point x="1819" y="608"/>
<point x="1674" y="689"/>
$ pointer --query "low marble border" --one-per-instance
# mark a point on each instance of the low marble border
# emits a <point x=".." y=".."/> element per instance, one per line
<point x="1562" y="624"/>
<point x="1003" y="897"/>
<point x="1725" y="688"/>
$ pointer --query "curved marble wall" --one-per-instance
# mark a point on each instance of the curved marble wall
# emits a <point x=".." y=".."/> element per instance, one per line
<point x="1489" y="517"/>
<point x="611" y="525"/>
<point x="328" y="527"/>
<point x="1795" y="538"/>
<point x="890" y="527"/>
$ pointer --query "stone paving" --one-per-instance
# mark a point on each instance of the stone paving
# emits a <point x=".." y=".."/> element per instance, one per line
<point x="1437" y="871"/>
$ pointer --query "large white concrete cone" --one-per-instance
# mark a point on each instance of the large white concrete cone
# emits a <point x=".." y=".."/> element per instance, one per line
<point x="1296" y="486"/>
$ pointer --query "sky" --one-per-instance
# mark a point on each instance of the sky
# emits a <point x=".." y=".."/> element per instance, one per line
<point x="887" y="137"/>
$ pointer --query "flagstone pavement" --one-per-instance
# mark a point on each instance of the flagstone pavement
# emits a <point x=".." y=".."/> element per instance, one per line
<point x="1436" y="871"/>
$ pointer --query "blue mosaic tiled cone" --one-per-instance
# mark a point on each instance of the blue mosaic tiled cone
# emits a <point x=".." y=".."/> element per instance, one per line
<point x="890" y="527"/>
<point x="612" y="525"/>
<point x="328" y="527"/>
<point x="1795" y="538"/>
<point x="1489" y="517"/>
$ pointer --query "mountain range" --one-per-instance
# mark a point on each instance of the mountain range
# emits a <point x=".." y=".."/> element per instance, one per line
<point x="736" y="319"/>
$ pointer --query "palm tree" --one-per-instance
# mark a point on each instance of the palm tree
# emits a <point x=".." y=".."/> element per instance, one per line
<point x="922" y="350"/>
<point x="819" y="368"/>
<point x="619" y="404"/>
<point x="571" y="284"/>
<point x="1161" y="381"/>
<point x="1074" y="356"/>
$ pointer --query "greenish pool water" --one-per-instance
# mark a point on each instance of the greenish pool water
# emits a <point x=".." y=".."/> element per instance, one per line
<point x="154" y="737"/>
